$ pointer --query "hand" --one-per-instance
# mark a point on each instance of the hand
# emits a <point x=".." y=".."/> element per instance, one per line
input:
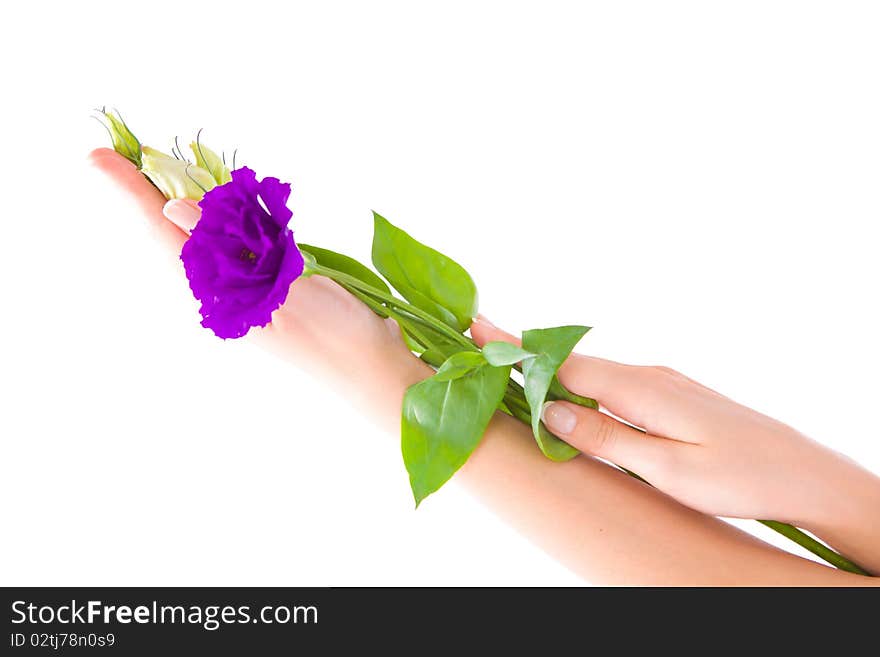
<point x="704" y="449"/>
<point x="601" y="523"/>
<point x="320" y="327"/>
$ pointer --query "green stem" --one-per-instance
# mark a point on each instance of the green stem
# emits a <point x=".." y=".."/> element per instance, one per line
<point x="427" y="318"/>
<point x="379" y="301"/>
<point x="819" y="549"/>
<point x="376" y="307"/>
<point x="384" y="311"/>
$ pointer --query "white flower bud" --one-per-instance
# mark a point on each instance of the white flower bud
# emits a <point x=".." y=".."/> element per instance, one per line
<point x="176" y="178"/>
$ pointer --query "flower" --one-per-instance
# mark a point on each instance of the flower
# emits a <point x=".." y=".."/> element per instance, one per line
<point x="175" y="178"/>
<point x="241" y="257"/>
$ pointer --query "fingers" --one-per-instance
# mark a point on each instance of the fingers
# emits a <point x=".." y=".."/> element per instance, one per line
<point x="483" y="331"/>
<point x="396" y="333"/>
<point x="649" y="397"/>
<point x="183" y="213"/>
<point x="149" y="199"/>
<point x="598" y="434"/>
<point x="603" y="380"/>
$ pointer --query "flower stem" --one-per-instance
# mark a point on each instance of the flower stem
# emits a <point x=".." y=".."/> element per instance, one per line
<point x="390" y="299"/>
<point x="408" y="316"/>
<point x="819" y="549"/>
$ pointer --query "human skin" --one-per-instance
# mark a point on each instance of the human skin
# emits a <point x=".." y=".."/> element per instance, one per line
<point x="713" y="454"/>
<point x="604" y="525"/>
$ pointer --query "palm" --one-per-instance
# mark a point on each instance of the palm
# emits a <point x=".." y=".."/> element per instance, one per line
<point x="319" y="326"/>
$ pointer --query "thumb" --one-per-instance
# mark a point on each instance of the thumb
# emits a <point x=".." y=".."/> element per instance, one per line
<point x="131" y="181"/>
<point x="483" y="331"/>
<point x="183" y="213"/>
<point x="598" y="434"/>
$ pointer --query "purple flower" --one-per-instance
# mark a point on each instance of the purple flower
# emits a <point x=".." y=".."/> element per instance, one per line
<point x="241" y="258"/>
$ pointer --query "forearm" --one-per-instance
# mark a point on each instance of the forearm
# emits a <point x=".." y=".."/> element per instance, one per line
<point x="612" y="529"/>
<point x="849" y="518"/>
<point x="601" y="523"/>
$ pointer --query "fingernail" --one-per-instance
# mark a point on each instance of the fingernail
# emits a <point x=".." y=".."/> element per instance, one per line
<point x="558" y="418"/>
<point x="393" y="328"/>
<point x="481" y="319"/>
<point x="181" y="214"/>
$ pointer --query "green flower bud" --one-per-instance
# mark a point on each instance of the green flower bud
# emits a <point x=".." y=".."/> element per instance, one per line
<point x="124" y="141"/>
<point x="210" y="162"/>
<point x="175" y="178"/>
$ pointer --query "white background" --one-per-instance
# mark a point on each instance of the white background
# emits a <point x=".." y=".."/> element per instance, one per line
<point x="698" y="181"/>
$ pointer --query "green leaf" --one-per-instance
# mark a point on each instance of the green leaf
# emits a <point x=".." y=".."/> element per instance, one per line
<point x="504" y="353"/>
<point x="346" y="265"/>
<point x="443" y="421"/>
<point x="551" y="446"/>
<point x="413" y="343"/>
<point x="457" y="365"/>
<point x="559" y="391"/>
<point x="431" y="346"/>
<point x="425" y="277"/>
<point x="551" y="346"/>
<point x="350" y="266"/>
<point x="440" y="349"/>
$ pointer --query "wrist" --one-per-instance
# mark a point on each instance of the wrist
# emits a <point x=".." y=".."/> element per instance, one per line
<point x="379" y="386"/>
<point x="849" y="497"/>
